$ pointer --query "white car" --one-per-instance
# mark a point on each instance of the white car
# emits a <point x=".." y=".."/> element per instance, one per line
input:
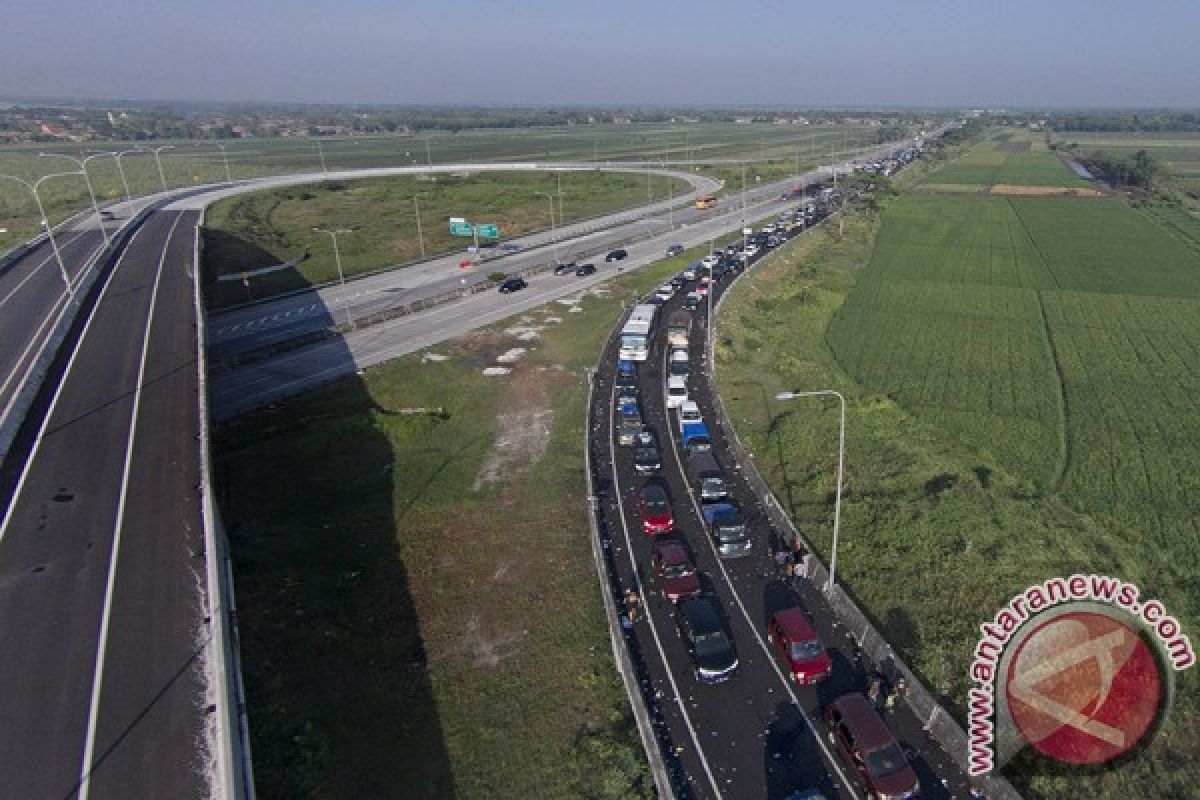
<point x="689" y="412"/>
<point x="710" y="261"/>
<point x="752" y="251"/>
<point x="665" y="292"/>
<point x="679" y="362"/>
<point x="677" y="391"/>
<point x="689" y="272"/>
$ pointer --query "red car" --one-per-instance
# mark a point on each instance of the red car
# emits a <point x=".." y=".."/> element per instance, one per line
<point x="675" y="570"/>
<point x="655" y="507"/>
<point x="797" y="642"/>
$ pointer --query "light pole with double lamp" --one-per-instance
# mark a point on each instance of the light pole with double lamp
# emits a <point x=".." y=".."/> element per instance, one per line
<point x="33" y="187"/>
<point x="837" y="502"/>
<point x="82" y="164"/>
<point x="337" y="259"/>
<point x="121" y="167"/>
<point x="553" y="236"/>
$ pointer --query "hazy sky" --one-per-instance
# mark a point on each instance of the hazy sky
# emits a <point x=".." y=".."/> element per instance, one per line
<point x="652" y="52"/>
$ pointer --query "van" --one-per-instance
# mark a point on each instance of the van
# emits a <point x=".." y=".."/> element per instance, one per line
<point x="866" y="745"/>
<point x="679" y="362"/>
<point x="707" y="477"/>
<point x="688" y="412"/>
<point x="677" y="391"/>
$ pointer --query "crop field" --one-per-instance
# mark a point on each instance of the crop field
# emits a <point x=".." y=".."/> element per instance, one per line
<point x="1178" y="152"/>
<point x="1023" y="383"/>
<point x="1001" y="161"/>
<point x="191" y="162"/>
<point x="264" y="228"/>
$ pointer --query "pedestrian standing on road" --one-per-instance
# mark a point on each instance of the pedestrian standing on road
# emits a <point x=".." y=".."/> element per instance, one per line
<point x="874" y="689"/>
<point x="898" y="693"/>
<point x="783" y="562"/>
<point x="632" y="602"/>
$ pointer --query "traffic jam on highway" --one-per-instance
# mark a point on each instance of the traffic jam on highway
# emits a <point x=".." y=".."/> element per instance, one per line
<point x="754" y="689"/>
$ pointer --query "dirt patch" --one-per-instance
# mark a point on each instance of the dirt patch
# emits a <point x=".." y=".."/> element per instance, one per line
<point x="1045" y="191"/>
<point x="1014" y="147"/>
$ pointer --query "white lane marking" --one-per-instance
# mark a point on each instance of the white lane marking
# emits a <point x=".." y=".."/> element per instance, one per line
<point x="41" y="434"/>
<point x="85" y="772"/>
<point x="687" y="720"/>
<point x="41" y="264"/>
<point x="787" y="686"/>
<point x="53" y="315"/>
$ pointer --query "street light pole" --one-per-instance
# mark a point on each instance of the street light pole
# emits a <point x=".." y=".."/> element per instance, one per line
<point x="158" y="160"/>
<point x="337" y="259"/>
<point x="420" y="235"/>
<point x="33" y="187"/>
<point x="82" y="164"/>
<point x="553" y="237"/>
<point x="837" y="502"/>
<point x="321" y="153"/>
<point x="121" y="168"/>
<point x="225" y="156"/>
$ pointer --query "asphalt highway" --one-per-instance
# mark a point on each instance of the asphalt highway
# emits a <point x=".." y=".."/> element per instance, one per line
<point x="101" y="552"/>
<point x="756" y="735"/>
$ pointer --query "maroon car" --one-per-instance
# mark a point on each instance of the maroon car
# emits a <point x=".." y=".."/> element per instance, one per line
<point x="799" y="646"/>
<point x="655" y="507"/>
<point x="869" y="747"/>
<point x="675" y="570"/>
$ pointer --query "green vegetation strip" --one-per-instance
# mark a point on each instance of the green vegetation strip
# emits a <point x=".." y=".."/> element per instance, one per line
<point x="418" y="602"/>
<point x="266" y="228"/>
<point x="1021" y="374"/>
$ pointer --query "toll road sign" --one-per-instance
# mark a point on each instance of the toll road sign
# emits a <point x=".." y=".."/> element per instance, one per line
<point x="488" y="230"/>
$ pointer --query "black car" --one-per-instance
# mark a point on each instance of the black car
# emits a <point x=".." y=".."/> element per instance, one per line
<point x="512" y="285"/>
<point x="565" y="269"/>
<point x="678" y="282"/>
<point x="647" y="458"/>
<point x="711" y="648"/>
<point x="627" y="391"/>
<point x="616" y="255"/>
<point x="674" y="250"/>
<point x="585" y="269"/>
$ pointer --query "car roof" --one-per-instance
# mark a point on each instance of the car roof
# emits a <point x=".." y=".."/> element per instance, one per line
<point x="700" y="614"/>
<point x="863" y="721"/>
<point x="672" y="552"/>
<point x="690" y="405"/>
<point x="795" y="624"/>
<point x="676" y="380"/>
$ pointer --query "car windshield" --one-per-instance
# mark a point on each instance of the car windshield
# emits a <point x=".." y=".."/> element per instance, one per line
<point x="730" y="534"/>
<point x="655" y="504"/>
<point x="646" y="454"/>
<point x="803" y="651"/>
<point x="677" y="570"/>
<point x="885" y="760"/>
<point x="633" y="342"/>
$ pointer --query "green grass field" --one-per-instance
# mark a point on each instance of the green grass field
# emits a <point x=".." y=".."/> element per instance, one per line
<point x="1022" y="378"/>
<point x="260" y="229"/>
<point x="417" y="598"/>
<point x="192" y="163"/>
<point x="995" y="161"/>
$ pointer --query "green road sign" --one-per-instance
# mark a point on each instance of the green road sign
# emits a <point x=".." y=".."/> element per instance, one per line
<point x="488" y="230"/>
<point x="461" y="229"/>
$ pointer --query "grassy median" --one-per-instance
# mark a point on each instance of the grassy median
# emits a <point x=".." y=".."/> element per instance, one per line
<point x="419" y="608"/>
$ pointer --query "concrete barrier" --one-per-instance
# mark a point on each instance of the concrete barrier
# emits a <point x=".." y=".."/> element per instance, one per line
<point x="35" y="373"/>
<point x="234" y="779"/>
<point x="616" y="635"/>
<point x="938" y="722"/>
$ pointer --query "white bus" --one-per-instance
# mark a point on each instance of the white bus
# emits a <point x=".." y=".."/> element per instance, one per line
<point x="635" y="336"/>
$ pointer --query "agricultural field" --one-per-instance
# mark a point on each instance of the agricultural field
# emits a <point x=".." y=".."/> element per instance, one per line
<point x="435" y="570"/>
<point x="192" y="162"/>
<point x="260" y="229"/>
<point x="1023" y="378"/>
<point x="1014" y="160"/>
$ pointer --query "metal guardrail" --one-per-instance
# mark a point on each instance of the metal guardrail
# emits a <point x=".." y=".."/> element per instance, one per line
<point x="937" y="722"/>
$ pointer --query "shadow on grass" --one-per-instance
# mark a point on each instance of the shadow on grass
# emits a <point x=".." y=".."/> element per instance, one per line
<point x="238" y="255"/>
<point x="339" y="696"/>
